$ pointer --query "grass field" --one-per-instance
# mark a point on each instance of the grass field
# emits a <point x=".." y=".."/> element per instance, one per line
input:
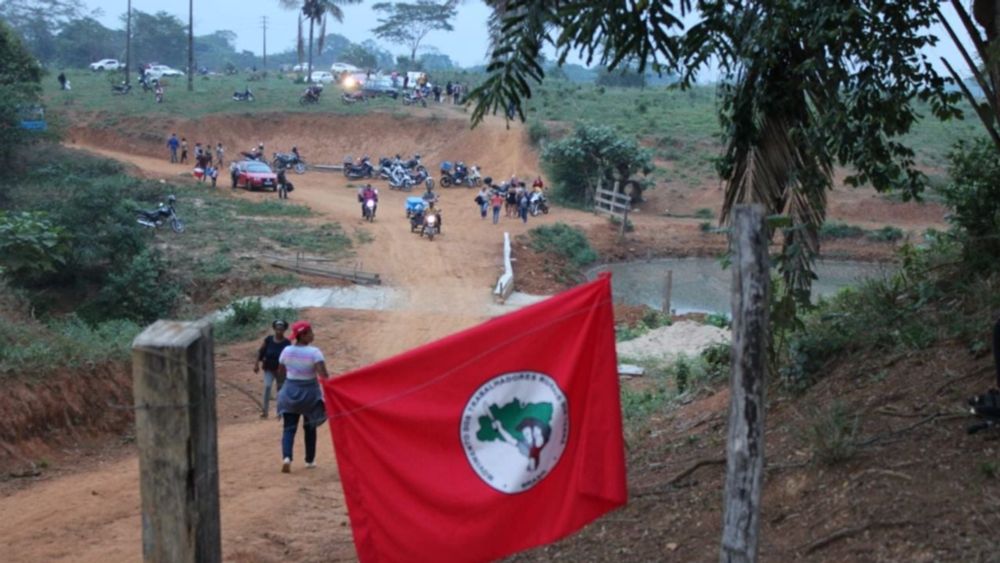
<point x="681" y="127"/>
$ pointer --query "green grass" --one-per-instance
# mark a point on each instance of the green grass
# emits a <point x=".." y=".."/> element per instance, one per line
<point x="32" y="349"/>
<point x="212" y="95"/>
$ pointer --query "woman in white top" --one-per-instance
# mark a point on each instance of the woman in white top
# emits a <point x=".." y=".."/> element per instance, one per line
<point x="300" y="396"/>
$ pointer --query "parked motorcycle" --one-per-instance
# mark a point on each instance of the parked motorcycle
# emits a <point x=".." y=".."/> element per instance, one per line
<point x="148" y="85"/>
<point x="400" y="179"/>
<point x="459" y="175"/>
<point x="288" y="161"/>
<point x="121" y="89"/>
<point x="160" y="216"/>
<point x="311" y="95"/>
<point x="363" y="169"/>
<point x="351" y="97"/>
<point x="369" y="209"/>
<point x="538" y="204"/>
<point x="414" y="97"/>
<point x="244" y="96"/>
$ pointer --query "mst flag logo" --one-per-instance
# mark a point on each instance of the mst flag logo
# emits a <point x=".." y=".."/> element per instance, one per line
<point x="514" y="430"/>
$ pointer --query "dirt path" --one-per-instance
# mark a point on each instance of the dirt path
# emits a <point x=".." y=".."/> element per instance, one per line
<point x="94" y="515"/>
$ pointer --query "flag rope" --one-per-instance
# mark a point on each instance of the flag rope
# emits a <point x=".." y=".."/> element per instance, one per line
<point x="436" y="380"/>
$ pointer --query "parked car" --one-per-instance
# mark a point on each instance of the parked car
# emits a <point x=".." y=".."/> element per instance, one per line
<point x="106" y="64"/>
<point x="337" y="68"/>
<point x="301" y="67"/>
<point x="322" y="77"/>
<point x="380" y="87"/>
<point x="253" y="175"/>
<point x="159" y="71"/>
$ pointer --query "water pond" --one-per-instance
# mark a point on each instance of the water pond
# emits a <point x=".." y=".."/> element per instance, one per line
<point x="700" y="285"/>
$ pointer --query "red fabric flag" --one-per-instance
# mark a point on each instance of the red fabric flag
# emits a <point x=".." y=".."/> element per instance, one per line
<point x="499" y="438"/>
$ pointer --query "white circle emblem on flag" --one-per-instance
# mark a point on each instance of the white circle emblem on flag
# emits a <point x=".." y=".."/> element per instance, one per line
<point x="514" y="430"/>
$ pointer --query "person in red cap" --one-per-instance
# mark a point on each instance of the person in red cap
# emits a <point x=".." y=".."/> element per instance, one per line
<point x="300" y="396"/>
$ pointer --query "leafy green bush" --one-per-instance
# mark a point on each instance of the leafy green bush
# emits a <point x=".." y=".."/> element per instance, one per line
<point x="886" y="234"/>
<point x="538" y="133"/>
<point x="141" y="290"/>
<point x="840" y="230"/>
<point x="564" y="240"/>
<point x="30" y="246"/>
<point x="248" y="319"/>
<point x="720" y="320"/>
<point x="974" y="197"/>
<point x="592" y="154"/>
<point x="704" y="213"/>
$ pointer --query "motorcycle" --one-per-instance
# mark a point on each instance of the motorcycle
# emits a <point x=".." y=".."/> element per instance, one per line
<point x="311" y="95"/>
<point x="244" y="96"/>
<point x="160" y="216"/>
<point x="121" y="89"/>
<point x="432" y="224"/>
<point x="288" y="161"/>
<point x="414" y="98"/>
<point x="538" y="205"/>
<point x="351" y="97"/>
<point x="461" y="175"/>
<point x="148" y="85"/>
<point x="369" y="209"/>
<point x="385" y="165"/>
<point x="400" y="179"/>
<point x="356" y="171"/>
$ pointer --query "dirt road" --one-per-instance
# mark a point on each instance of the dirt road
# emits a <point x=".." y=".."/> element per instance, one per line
<point x="94" y="515"/>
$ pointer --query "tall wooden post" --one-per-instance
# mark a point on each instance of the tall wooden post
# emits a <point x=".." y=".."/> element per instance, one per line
<point x="668" y="289"/>
<point x="173" y="377"/>
<point x="128" y="43"/>
<point x="190" y="45"/>
<point x="751" y="332"/>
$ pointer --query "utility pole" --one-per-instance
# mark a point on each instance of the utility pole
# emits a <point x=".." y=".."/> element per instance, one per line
<point x="128" y="42"/>
<point x="190" y="45"/>
<point x="263" y="24"/>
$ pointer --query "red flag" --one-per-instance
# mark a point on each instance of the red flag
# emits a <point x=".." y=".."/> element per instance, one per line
<point x="499" y="438"/>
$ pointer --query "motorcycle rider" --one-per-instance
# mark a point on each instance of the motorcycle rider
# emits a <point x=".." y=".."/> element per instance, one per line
<point x="366" y="193"/>
<point x="295" y="153"/>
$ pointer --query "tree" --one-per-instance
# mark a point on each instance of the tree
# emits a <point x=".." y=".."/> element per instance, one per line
<point x="804" y="86"/>
<point x="39" y="21"/>
<point x="594" y="156"/>
<point x="317" y="11"/>
<point x="410" y="23"/>
<point x="159" y="37"/>
<point x="20" y="76"/>
<point x="83" y="41"/>
<point x="359" y="57"/>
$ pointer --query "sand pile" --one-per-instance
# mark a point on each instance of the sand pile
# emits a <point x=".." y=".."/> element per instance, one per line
<point x="665" y="343"/>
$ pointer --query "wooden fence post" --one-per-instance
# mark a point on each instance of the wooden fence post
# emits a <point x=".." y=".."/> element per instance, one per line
<point x="173" y="377"/>
<point x="668" y="289"/>
<point x="751" y="332"/>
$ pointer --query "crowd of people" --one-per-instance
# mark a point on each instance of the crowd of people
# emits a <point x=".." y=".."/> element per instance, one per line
<point x="513" y="197"/>
<point x="207" y="159"/>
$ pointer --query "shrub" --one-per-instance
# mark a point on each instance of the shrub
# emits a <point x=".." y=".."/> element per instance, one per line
<point x="974" y="197"/>
<point x="886" y="234"/>
<point x="140" y="291"/>
<point x="564" y="240"/>
<point x="30" y="246"/>
<point x="248" y="319"/>
<point x="704" y="213"/>
<point x="591" y="154"/>
<point x="538" y="133"/>
<point x="840" y="231"/>
<point x="830" y="436"/>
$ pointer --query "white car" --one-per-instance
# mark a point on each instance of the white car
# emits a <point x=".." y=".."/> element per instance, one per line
<point x="337" y="68"/>
<point x="106" y="64"/>
<point x="322" y="76"/>
<point x="159" y="71"/>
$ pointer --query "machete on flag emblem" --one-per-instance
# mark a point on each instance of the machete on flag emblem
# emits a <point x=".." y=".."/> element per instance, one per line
<point x="496" y="439"/>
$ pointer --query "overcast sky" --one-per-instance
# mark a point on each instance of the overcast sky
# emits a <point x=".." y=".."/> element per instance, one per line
<point x="467" y="45"/>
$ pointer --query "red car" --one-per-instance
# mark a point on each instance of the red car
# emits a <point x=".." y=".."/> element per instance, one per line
<point x="253" y="175"/>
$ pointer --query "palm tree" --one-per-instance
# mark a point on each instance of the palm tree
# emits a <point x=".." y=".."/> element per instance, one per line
<point x="316" y="11"/>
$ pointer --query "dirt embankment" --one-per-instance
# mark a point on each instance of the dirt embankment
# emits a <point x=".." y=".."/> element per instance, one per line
<point x="69" y="406"/>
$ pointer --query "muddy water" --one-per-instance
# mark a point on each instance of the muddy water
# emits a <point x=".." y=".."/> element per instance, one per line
<point x="701" y="285"/>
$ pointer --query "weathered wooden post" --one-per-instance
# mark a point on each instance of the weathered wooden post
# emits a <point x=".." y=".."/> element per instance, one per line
<point x="668" y="289"/>
<point x="751" y="332"/>
<point x="173" y="377"/>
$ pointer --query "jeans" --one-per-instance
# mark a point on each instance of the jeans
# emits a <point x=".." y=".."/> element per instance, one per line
<point x="269" y="378"/>
<point x="173" y="155"/>
<point x="496" y="215"/>
<point x="483" y="208"/>
<point x="523" y="212"/>
<point x="288" y="436"/>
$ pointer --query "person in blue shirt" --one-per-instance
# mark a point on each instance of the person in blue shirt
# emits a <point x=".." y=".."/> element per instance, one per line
<point x="173" y="144"/>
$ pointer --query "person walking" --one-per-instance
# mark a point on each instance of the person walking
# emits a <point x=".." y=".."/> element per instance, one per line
<point x="62" y="80"/>
<point x="522" y="205"/>
<point x="173" y="144"/>
<point x="301" y="397"/>
<point x="219" y="154"/>
<point x="282" y="184"/>
<point x="268" y="354"/>
<point x="496" y="201"/>
<point x="483" y="197"/>
<point x="184" y="150"/>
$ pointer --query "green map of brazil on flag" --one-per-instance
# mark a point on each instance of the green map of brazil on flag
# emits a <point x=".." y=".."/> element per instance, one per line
<point x="493" y="440"/>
